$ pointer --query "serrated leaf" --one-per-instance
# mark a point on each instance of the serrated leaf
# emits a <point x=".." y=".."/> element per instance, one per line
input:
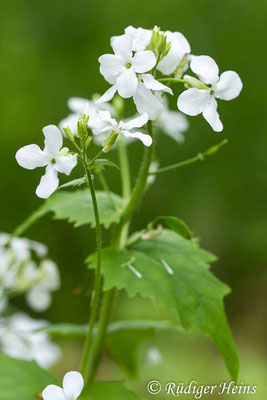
<point x="22" y="380"/>
<point x="166" y="270"/>
<point x="77" y="207"/>
<point x="124" y="338"/>
<point x="101" y="163"/>
<point x="175" y="224"/>
<point x="108" y="391"/>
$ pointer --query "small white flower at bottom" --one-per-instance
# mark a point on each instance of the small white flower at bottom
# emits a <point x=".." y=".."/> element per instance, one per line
<point x="53" y="157"/>
<point x="73" y="384"/>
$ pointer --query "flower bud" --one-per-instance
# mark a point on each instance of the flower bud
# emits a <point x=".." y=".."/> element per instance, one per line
<point x="195" y="83"/>
<point x="88" y="142"/>
<point x="109" y="142"/>
<point x="68" y="133"/>
<point x="81" y="128"/>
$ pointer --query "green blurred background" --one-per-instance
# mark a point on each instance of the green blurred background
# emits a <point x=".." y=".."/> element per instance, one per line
<point x="49" y="52"/>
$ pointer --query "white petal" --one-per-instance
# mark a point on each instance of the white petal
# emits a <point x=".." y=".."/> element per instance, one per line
<point x="146" y="102"/>
<point x="122" y="46"/>
<point x="135" y="122"/>
<point x="173" y="123"/>
<point x="111" y="67"/>
<point x="38" y="298"/>
<point x="108" y="95"/>
<point x="144" y="61"/>
<point x="127" y="83"/>
<point x="53" y="140"/>
<point x="205" y="68"/>
<point x="51" y="277"/>
<point x="48" y="184"/>
<point x="77" y="104"/>
<point x="229" y="86"/>
<point x="146" y="139"/>
<point x="179" y="47"/>
<point x="193" y="101"/>
<point x="31" y="157"/>
<point x="151" y="83"/>
<point x="65" y="164"/>
<point x="73" y="385"/>
<point x="141" y="37"/>
<point x="211" y="116"/>
<point x="53" y="392"/>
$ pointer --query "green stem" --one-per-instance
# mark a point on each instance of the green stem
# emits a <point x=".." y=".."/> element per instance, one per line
<point x="97" y="284"/>
<point x="32" y="219"/>
<point x="98" y="155"/>
<point x="119" y="241"/>
<point x="199" y="157"/>
<point x="172" y="80"/>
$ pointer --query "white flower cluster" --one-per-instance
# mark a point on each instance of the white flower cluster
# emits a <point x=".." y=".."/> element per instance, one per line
<point x="24" y="268"/>
<point x="132" y="71"/>
<point x="22" y="337"/>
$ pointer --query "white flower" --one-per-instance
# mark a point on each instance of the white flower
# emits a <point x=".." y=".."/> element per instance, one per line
<point x="121" y="69"/>
<point x="141" y="37"/>
<point x="173" y="123"/>
<point x="104" y="123"/>
<point x="21" y="337"/>
<point x="53" y="157"/>
<point x="179" y="48"/>
<point x="154" y="356"/>
<point x="195" y="101"/>
<point x="78" y="105"/>
<point x="144" y="98"/>
<point x="39" y="295"/>
<point x="73" y="384"/>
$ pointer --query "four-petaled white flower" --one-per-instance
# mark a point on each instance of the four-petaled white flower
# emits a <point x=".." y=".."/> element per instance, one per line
<point x="195" y="100"/>
<point x="179" y="48"/>
<point x="73" y="384"/>
<point x="104" y="123"/>
<point x="121" y="69"/>
<point x="54" y="157"/>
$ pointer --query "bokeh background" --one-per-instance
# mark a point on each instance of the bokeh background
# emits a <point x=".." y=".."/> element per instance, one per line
<point x="49" y="51"/>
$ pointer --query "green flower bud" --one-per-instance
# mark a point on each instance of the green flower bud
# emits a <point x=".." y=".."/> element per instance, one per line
<point x="195" y="83"/>
<point x="69" y="134"/>
<point x="88" y="142"/>
<point x="109" y="142"/>
<point x="82" y="128"/>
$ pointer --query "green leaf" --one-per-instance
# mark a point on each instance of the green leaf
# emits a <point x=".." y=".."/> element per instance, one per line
<point x="108" y="391"/>
<point x="22" y="380"/>
<point x="101" y="163"/>
<point x="66" y="330"/>
<point x="125" y="337"/>
<point x="77" y="207"/>
<point x="74" y="183"/>
<point x="175" y="224"/>
<point x="166" y="270"/>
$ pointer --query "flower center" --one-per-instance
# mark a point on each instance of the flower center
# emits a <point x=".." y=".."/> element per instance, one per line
<point x="128" y="65"/>
<point x="53" y="161"/>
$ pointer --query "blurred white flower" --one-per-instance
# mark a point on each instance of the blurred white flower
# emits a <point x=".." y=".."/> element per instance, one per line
<point x="77" y="106"/>
<point x="24" y="269"/>
<point x="173" y="123"/>
<point x="54" y="157"/>
<point x="179" y="48"/>
<point x="104" y="123"/>
<point x="20" y="337"/>
<point x="73" y="384"/>
<point x="39" y="295"/>
<point x="202" y="100"/>
<point x="154" y="356"/>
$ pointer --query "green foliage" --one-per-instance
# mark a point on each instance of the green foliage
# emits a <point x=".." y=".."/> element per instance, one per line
<point x="124" y="338"/>
<point x="74" y="183"/>
<point x="108" y="391"/>
<point x="175" y="224"/>
<point x="101" y="163"/>
<point x="167" y="271"/>
<point x="77" y="207"/>
<point x="22" y="380"/>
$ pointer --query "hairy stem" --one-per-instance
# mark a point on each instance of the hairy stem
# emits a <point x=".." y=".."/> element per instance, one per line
<point x="97" y="284"/>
